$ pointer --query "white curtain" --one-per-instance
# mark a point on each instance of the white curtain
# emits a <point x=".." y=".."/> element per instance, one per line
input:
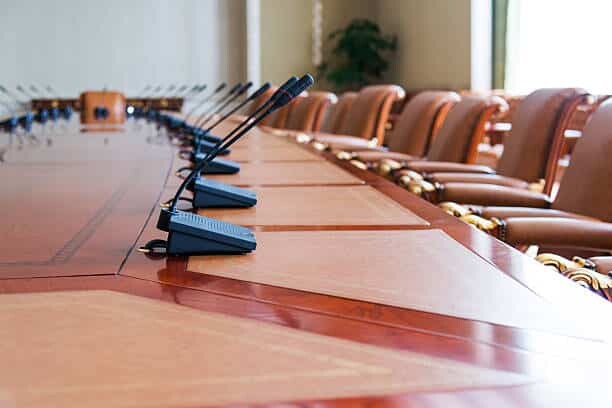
<point x="559" y="43"/>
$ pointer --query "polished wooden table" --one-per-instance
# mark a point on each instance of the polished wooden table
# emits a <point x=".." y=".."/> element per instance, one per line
<point x="358" y="294"/>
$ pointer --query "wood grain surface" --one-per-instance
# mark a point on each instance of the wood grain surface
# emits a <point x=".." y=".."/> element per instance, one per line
<point x="317" y="206"/>
<point x="86" y="200"/>
<point x="193" y="357"/>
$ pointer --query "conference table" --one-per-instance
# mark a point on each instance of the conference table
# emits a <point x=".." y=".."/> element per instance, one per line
<point x="358" y="293"/>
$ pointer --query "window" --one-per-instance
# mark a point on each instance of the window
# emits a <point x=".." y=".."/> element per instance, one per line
<point x="559" y="43"/>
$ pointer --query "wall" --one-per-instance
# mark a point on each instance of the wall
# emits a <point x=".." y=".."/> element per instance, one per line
<point x="286" y="32"/>
<point x="75" y="45"/>
<point x="433" y="35"/>
<point x="285" y="39"/>
<point x="433" y="40"/>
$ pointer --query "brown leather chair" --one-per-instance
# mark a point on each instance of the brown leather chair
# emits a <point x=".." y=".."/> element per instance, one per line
<point x="113" y="102"/>
<point x="579" y="217"/>
<point x="456" y="140"/>
<point x="335" y="115"/>
<point x="414" y="127"/>
<point x="531" y="149"/>
<point x="307" y="115"/>
<point x="364" y="124"/>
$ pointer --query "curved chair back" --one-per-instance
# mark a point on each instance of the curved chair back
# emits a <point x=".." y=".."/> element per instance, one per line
<point x="369" y="112"/>
<point x="307" y="115"/>
<point x="418" y="121"/>
<point x="532" y="148"/>
<point x="463" y="129"/>
<point x="335" y="115"/>
<point x="585" y="187"/>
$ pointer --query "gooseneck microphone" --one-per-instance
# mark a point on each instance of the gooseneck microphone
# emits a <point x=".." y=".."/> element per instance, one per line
<point x="221" y="166"/>
<point x="202" y="140"/>
<point x="180" y="90"/>
<point x="144" y="90"/>
<point x="204" y="101"/>
<point x="216" y="103"/>
<point x="52" y="91"/>
<point x="12" y="96"/>
<point x="241" y="105"/>
<point x="23" y="91"/>
<point x="209" y="193"/>
<point x="204" y="145"/>
<point x="228" y="102"/>
<point x="154" y="91"/>
<point x="189" y="233"/>
<point x="193" y="91"/>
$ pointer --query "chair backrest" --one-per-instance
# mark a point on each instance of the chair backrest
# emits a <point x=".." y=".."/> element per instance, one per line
<point x="463" y="129"/>
<point x="113" y="102"/>
<point x="370" y="111"/>
<point x="335" y="115"/>
<point x="532" y="147"/>
<point x="418" y="121"/>
<point x="307" y="115"/>
<point x="586" y="186"/>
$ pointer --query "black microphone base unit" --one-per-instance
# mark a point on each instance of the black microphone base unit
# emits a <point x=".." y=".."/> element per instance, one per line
<point x="204" y="146"/>
<point x="212" y="194"/>
<point x="220" y="166"/>
<point x="203" y="135"/>
<point x="192" y="234"/>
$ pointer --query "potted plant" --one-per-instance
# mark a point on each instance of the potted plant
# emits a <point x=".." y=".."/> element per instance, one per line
<point x="357" y="55"/>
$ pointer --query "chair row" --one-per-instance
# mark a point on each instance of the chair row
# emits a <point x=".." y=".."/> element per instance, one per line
<point x="433" y="145"/>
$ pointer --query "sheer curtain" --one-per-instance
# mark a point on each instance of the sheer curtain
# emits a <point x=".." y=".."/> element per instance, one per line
<point x="559" y="43"/>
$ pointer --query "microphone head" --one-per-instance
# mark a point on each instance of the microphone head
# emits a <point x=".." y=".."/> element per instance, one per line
<point x="287" y="95"/>
<point x="220" y="87"/>
<point x="260" y="91"/>
<point x="245" y="88"/>
<point x="288" y="83"/>
<point x="303" y="84"/>
<point x="283" y="88"/>
<point x="235" y="89"/>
